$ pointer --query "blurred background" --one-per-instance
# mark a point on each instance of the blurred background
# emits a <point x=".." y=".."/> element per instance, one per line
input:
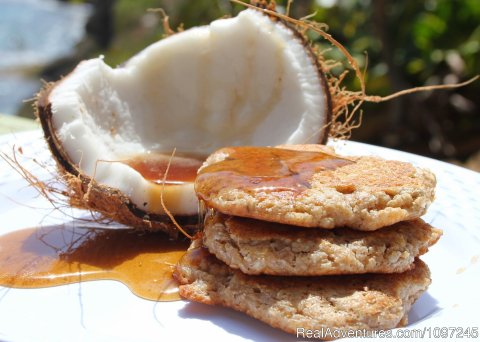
<point x="407" y="44"/>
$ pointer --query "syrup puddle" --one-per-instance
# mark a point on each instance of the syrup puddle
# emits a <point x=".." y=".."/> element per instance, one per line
<point x="59" y="255"/>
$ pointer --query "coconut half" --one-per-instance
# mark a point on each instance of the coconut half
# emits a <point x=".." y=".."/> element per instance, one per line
<point x="248" y="80"/>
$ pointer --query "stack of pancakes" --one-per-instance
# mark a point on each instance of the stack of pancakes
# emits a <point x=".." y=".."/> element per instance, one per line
<point x="301" y="238"/>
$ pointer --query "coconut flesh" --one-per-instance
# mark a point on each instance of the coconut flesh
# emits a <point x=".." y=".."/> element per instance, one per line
<point x="247" y="80"/>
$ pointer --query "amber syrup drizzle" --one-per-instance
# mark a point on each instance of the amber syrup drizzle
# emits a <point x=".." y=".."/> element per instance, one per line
<point x="267" y="169"/>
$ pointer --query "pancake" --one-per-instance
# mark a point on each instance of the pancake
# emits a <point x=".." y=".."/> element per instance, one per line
<point x="313" y="187"/>
<point x="259" y="247"/>
<point x="369" y="301"/>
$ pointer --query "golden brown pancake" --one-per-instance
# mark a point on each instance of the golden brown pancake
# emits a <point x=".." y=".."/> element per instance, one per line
<point x="314" y="188"/>
<point x="369" y="301"/>
<point x="260" y="247"/>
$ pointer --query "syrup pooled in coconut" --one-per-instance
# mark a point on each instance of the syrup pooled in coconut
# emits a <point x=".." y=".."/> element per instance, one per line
<point x="153" y="166"/>
<point x="171" y="180"/>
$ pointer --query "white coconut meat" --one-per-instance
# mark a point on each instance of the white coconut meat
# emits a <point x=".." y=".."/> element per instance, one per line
<point x="247" y="80"/>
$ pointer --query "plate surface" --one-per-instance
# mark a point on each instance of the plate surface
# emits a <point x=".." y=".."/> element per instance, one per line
<point x="108" y="311"/>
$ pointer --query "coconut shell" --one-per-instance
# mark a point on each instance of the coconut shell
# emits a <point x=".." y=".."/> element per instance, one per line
<point x="321" y="75"/>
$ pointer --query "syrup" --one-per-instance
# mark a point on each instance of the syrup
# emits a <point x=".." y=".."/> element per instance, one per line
<point x="44" y="257"/>
<point x="177" y="192"/>
<point x="253" y="169"/>
<point x="152" y="166"/>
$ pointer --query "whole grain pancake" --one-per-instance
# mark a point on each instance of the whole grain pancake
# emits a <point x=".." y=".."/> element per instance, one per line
<point x="369" y="301"/>
<point x="260" y="247"/>
<point x="312" y="187"/>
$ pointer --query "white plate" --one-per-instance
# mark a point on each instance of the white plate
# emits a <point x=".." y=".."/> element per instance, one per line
<point x="108" y="311"/>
